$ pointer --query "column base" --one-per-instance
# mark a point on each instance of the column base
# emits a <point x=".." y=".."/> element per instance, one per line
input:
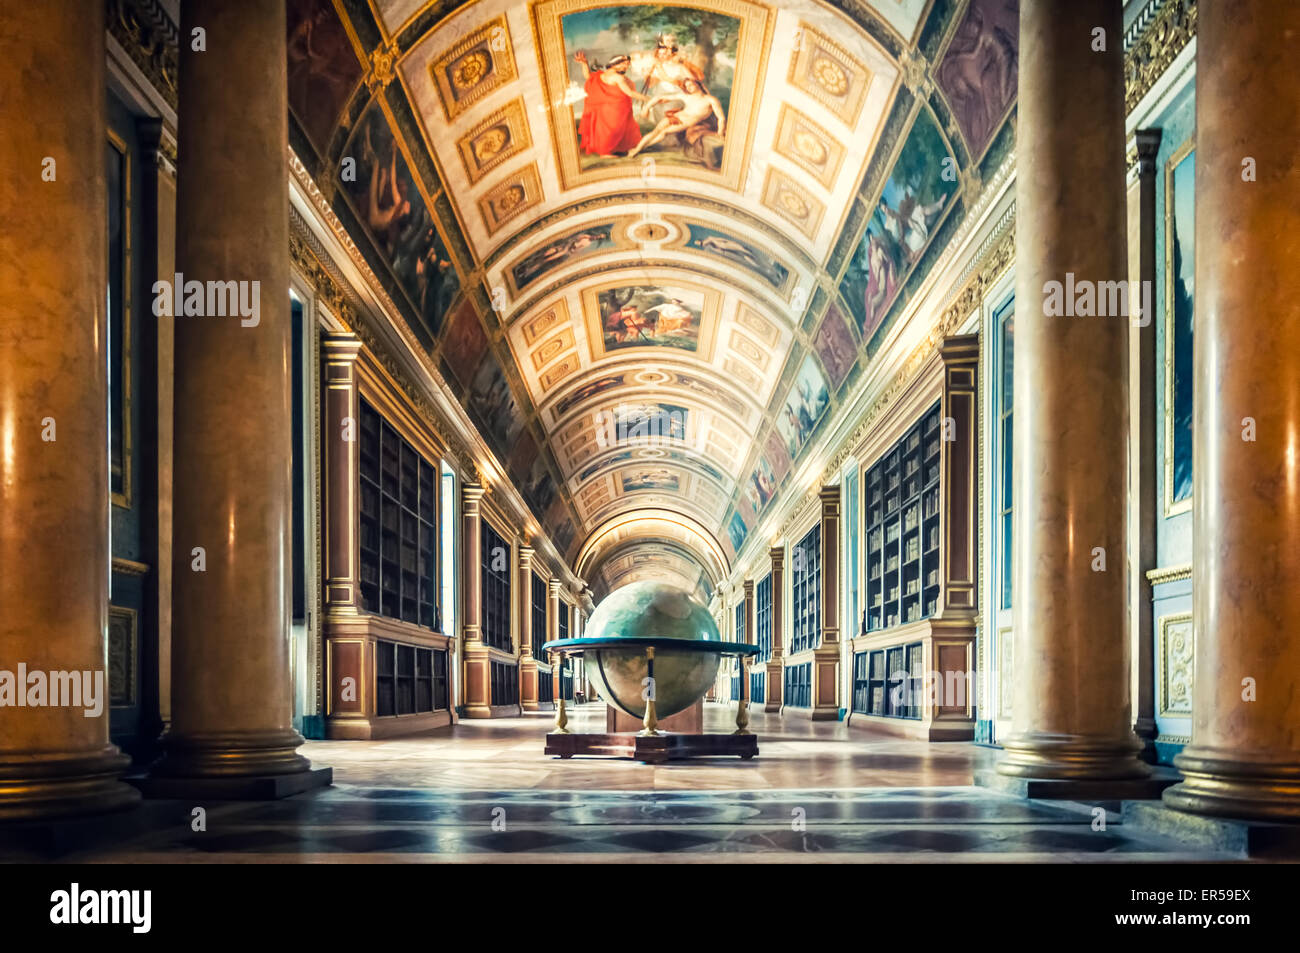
<point x="1250" y="839"/>
<point x="1059" y="757"/>
<point x="1146" y="731"/>
<point x="1220" y="784"/>
<point x="264" y="787"/>
<point x="42" y="787"/>
<point x="1109" y="792"/>
<point x="231" y="755"/>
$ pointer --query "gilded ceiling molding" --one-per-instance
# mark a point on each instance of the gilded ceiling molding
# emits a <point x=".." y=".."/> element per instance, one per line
<point x="1162" y="575"/>
<point x="148" y="35"/>
<point x="1153" y="43"/>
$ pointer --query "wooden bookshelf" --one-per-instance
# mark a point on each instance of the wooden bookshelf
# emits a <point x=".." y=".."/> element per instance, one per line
<point x="903" y="533"/>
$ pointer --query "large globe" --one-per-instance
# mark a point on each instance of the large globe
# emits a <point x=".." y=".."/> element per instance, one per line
<point x="666" y="614"/>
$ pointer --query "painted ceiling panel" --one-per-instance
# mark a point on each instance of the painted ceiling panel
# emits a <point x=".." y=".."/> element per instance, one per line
<point x="652" y="245"/>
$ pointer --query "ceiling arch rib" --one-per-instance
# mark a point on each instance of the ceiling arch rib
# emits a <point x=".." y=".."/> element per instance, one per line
<point x="659" y="217"/>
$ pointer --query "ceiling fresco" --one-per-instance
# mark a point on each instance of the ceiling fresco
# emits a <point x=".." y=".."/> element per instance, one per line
<point x="651" y="246"/>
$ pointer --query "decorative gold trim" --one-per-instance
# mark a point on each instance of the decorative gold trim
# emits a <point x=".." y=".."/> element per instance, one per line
<point x="1156" y="47"/>
<point x="1160" y="576"/>
<point x="516" y="195"/>
<point x="129" y="567"/>
<point x="132" y="618"/>
<point x="846" y="110"/>
<point x="785" y="144"/>
<point x="520" y="139"/>
<point x="1171" y="507"/>
<point x="472" y="84"/>
<point x="1170" y="668"/>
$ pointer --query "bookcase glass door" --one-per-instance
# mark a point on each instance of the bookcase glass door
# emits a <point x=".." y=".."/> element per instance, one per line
<point x="398" y="517"/>
<point x="902" y="521"/>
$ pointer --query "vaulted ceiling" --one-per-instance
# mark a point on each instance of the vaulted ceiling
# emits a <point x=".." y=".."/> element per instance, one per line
<point x="666" y="333"/>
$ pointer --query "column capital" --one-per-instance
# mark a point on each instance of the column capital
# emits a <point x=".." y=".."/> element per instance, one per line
<point x="340" y="346"/>
<point x="830" y="498"/>
<point x="749" y="588"/>
<point x="960" y="349"/>
<point x="777" y="555"/>
<point x="526" y="554"/>
<point x="472" y="493"/>
<point x="555" y="585"/>
<point x="1144" y="146"/>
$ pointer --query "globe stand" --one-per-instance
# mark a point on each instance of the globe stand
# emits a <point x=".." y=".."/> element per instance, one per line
<point x="650" y="745"/>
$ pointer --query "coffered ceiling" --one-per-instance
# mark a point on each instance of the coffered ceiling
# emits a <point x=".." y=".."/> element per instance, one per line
<point x="668" y="331"/>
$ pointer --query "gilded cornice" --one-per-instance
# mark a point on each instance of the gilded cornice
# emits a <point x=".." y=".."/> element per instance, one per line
<point x="144" y="30"/>
<point x="1164" y="574"/>
<point x="1158" y="39"/>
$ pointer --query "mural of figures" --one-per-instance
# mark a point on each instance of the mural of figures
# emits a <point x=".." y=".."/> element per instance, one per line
<point x="653" y="80"/>
<point x="762" y="486"/>
<point x="741" y="253"/>
<point x="804" y="406"/>
<point x="493" y="403"/>
<point x="562" y="251"/>
<point x="323" y="68"/>
<point x="737" y="531"/>
<point x="978" y="73"/>
<point x="1180" y="258"/>
<point x="834" y="345"/>
<point x="912" y="203"/>
<point x="465" y="344"/>
<point x="648" y="424"/>
<point x="392" y="210"/>
<point x="776" y="454"/>
<point x="587" y="391"/>
<point x="639" y="316"/>
<point x="651" y="478"/>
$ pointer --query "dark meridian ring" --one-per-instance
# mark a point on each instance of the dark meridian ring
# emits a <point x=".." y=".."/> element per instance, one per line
<point x="623" y="641"/>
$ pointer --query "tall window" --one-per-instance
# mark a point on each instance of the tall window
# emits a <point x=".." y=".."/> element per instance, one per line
<point x="538" y="609"/>
<point x="740" y="621"/>
<point x="118" y="300"/>
<point x="399" y="501"/>
<point x="495" y="558"/>
<point x="806" y="589"/>
<point x="851" y="545"/>
<point x="448" y="546"/>
<point x="763" y="619"/>
<point x="563" y="626"/>
<point x="903" y="528"/>
<point x="1005" y="321"/>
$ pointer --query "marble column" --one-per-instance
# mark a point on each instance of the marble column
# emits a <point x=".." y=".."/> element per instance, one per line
<point x="1144" y="515"/>
<point x="1071" y="715"/>
<point x="775" y="666"/>
<point x="231" y="711"/>
<point x="1244" y="759"/>
<point x="553" y="632"/>
<point x="528" y="688"/>
<point x="341" y="445"/>
<point x="53" y="394"/>
<point x="826" y="657"/>
<point x="478" y="668"/>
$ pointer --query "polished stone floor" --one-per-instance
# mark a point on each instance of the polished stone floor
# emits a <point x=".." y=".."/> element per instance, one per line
<point x="483" y="792"/>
